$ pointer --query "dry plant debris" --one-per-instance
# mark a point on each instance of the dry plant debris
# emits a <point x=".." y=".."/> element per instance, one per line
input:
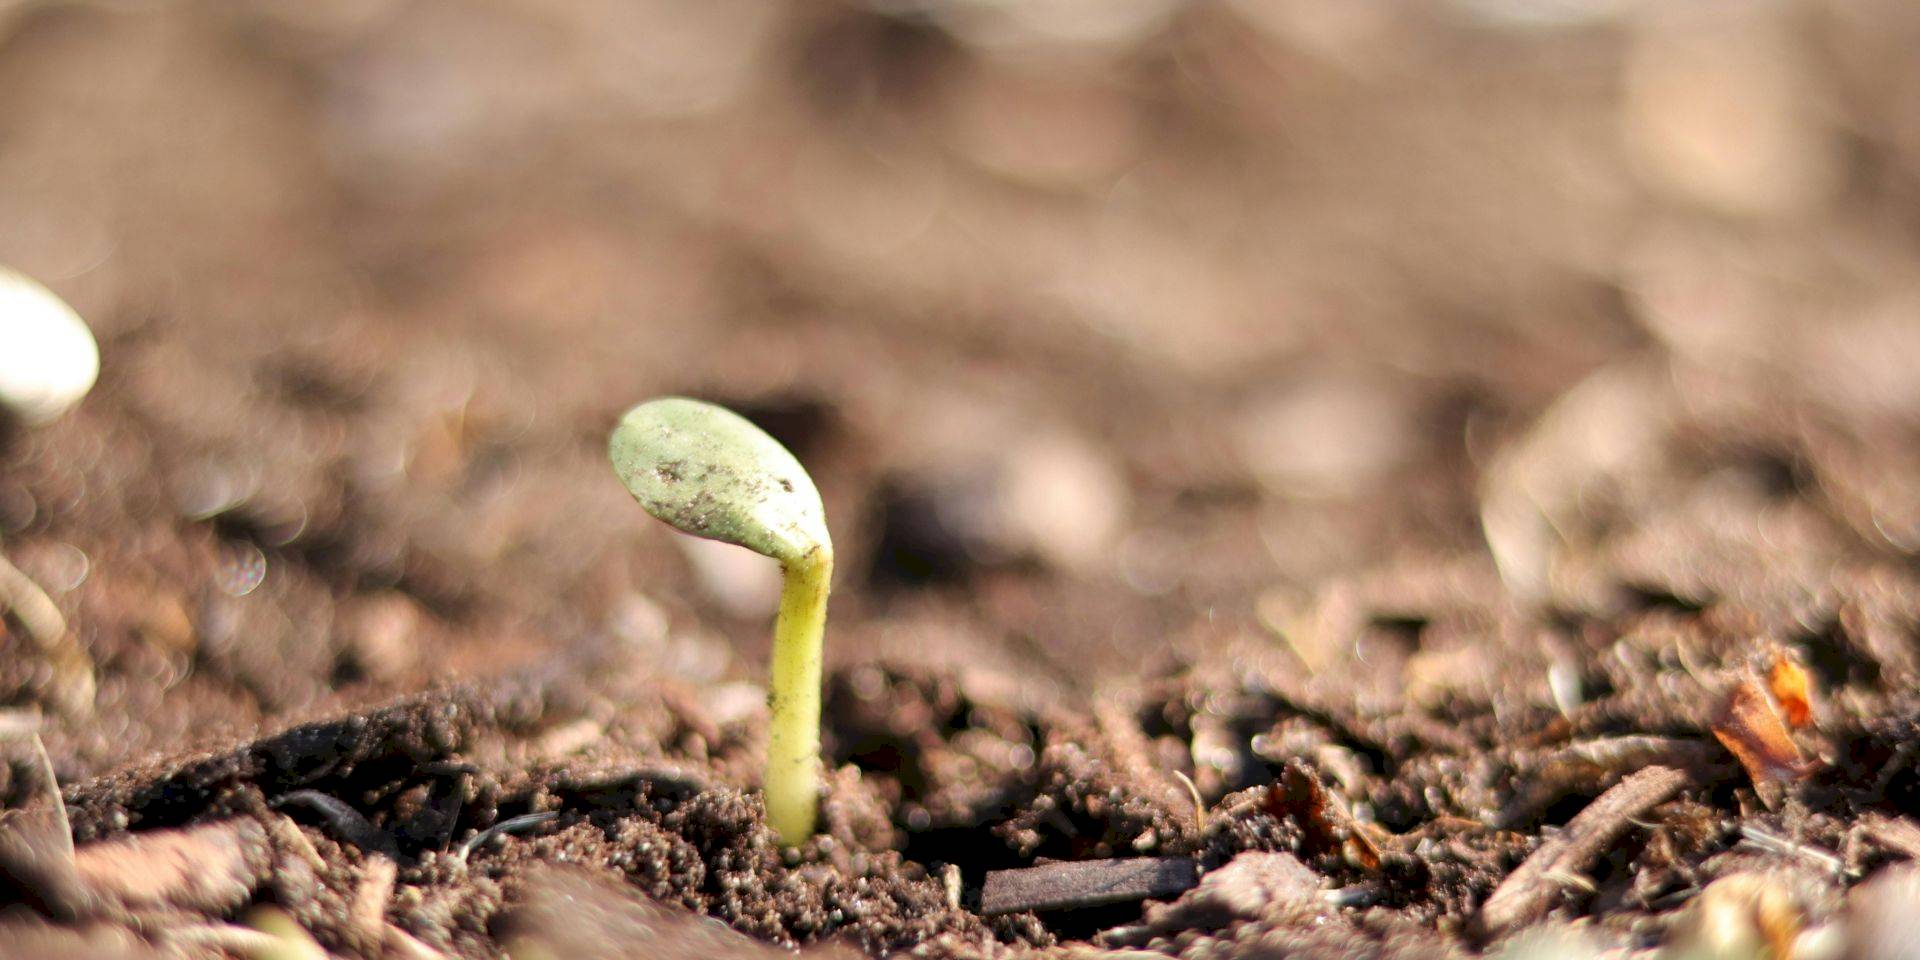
<point x="1086" y="883"/>
<point x="1530" y="891"/>
<point x="1749" y="726"/>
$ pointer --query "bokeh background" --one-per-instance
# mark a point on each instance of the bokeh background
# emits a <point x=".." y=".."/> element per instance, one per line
<point x="1118" y="333"/>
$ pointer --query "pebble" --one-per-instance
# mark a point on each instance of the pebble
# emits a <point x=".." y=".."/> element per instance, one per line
<point x="1327" y="436"/>
<point x="743" y="583"/>
<point x="48" y="359"/>
<point x="1883" y="915"/>
<point x="1738" y="916"/>
<point x="1258" y="886"/>
<point x="1063" y="500"/>
<point x="1722" y="111"/>
<point x="1550" y="942"/>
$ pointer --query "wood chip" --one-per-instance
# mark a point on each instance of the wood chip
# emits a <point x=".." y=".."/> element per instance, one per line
<point x="1086" y="883"/>
<point x="214" y="867"/>
<point x="1535" y="887"/>
<point x="343" y="821"/>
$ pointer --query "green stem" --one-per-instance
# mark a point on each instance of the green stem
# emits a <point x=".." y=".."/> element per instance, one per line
<point x="793" y="748"/>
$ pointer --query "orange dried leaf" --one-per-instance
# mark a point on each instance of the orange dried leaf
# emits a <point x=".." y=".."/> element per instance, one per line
<point x="1326" y="822"/>
<point x="1792" y="689"/>
<point x="1750" y="729"/>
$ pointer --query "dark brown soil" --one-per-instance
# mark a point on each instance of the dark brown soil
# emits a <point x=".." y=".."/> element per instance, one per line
<point x="1412" y="434"/>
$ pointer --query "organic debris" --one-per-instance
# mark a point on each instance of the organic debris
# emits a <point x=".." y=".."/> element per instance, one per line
<point x="1086" y="883"/>
<point x="1792" y="689"/>
<point x="1558" y="864"/>
<point x="1749" y="727"/>
<point x="1324" y="818"/>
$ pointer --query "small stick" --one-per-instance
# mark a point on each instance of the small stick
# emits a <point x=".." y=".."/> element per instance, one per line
<point x="25" y="725"/>
<point x="403" y="946"/>
<point x="1537" y="884"/>
<point x="1086" y="883"/>
<point x="31" y="606"/>
<point x="47" y="627"/>
<point x="348" y="824"/>
<point x="229" y="937"/>
<point x="1199" y="805"/>
<point x="1762" y="840"/>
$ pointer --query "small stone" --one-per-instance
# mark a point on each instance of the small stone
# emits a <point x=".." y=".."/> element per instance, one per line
<point x="213" y="867"/>
<point x="384" y="634"/>
<point x="1550" y="942"/>
<point x="744" y="584"/>
<point x="1724" y="111"/>
<point x="48" y="359"/>
<point x="1883" y="915"/>
<point x="571" y="913"/>
<point x="1327" y="436"/>
<point x="1741" y="915"/>
<point x="1063" y="500"/>
<point x="1264" y="886"/>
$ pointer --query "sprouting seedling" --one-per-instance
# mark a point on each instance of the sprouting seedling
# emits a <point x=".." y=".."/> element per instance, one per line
<point x="48" y="362"/>
<point x="709" y="472"/>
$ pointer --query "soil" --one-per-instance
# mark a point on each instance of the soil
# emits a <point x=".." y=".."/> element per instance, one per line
<point x="1382" y="459"/>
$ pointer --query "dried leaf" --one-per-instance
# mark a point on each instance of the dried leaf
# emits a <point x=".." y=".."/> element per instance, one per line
<point x="1750" y="728"/>
<point x="1792" y="688"/>
<point x="1324" y="819"/>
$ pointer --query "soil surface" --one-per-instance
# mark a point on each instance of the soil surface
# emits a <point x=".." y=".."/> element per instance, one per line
<point x="1446" y="479"/>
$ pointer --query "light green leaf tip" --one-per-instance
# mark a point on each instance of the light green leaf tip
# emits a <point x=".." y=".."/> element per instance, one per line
<point x="711" y="473"/>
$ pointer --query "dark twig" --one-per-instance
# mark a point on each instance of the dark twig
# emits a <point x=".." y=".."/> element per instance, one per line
<point x="346" y="823"/>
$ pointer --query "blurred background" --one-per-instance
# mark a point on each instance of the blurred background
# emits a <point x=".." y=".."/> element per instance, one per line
<point x="1116" y="332"/>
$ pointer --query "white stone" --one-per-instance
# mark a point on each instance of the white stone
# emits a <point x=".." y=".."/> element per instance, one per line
<point x="48" y="359"/>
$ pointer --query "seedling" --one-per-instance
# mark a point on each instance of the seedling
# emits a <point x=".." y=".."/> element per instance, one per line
<point x="48" y="361"/>
<point x="708" y="472"/>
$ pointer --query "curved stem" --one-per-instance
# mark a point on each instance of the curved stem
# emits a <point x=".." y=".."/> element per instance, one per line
<point x="793" y="748"/>
<point x="73" y="682"/>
